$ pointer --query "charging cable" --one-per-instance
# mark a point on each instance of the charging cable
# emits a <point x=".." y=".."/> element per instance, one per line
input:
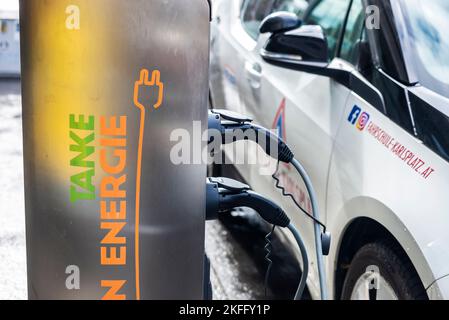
<point x="224" y="195"/>
<point x="227" y="123"/>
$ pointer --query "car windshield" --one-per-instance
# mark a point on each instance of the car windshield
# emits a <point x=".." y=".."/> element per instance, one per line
<point x="428" y="26"/>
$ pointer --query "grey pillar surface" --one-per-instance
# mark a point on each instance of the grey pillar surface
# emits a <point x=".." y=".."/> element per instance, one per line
<point x="94" y="136"/>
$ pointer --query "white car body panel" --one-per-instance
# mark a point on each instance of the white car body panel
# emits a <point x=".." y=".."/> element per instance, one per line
<point x="354" y="174"/>
<point x="366" y="179"/>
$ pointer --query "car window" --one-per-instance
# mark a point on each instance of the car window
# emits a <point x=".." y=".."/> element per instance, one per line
<point x="253" y="12"/>
<point x="330" y="15"/>
<point x="428" y="24"/>
<point x="353" y="33"/>
<point x="385" y="42"/>
<point x="294" y="6"/>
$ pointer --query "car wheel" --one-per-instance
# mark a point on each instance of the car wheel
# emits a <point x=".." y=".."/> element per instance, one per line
<point x="379" y="271"/>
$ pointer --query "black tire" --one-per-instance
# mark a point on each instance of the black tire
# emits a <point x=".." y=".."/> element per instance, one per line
<point x="393" y="266"/>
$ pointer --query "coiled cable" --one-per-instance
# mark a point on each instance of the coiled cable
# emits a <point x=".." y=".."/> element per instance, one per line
<point x="289" y="195"/>
<point x="268" y="249"/>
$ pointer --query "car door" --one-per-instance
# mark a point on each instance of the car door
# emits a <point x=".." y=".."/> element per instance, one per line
<point x="224" y="51"/>
<point x="250" y="87"/>
<point x="307" y="110"/>
<point x="381" y="167"/>
<point x="233" y="33"/>
<point x="234" y="38"/>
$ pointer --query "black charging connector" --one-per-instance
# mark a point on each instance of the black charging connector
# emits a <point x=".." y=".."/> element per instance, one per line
<point x="225" y="194"/>
<point x="228" y="123"/>
<point x="233" y="127"/>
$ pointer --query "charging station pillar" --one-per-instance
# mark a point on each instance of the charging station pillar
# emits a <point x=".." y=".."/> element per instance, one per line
<point x="106" y="84"/>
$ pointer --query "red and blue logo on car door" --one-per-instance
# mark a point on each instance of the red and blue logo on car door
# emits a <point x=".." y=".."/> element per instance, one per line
<point x="279" y="121"/>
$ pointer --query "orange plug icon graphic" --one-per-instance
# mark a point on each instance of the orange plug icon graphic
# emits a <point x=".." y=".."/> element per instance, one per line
<point x="143" y="84"/>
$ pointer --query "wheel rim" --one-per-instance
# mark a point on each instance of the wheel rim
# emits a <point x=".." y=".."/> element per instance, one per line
<point x="373" y="287"/>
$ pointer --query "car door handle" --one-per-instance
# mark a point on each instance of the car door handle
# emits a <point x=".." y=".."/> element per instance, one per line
<point x="253" y="74"/>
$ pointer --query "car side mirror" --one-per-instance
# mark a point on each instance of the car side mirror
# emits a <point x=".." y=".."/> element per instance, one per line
<point x="304" y="49"/>
<point x="280" y="22"/>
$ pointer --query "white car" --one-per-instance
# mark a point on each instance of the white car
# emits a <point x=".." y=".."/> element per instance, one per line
<point x="9" y="38"/>
<point x="362" y="97"/>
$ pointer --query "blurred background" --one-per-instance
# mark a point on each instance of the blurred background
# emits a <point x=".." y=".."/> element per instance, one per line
<point x="12" y="214"/>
